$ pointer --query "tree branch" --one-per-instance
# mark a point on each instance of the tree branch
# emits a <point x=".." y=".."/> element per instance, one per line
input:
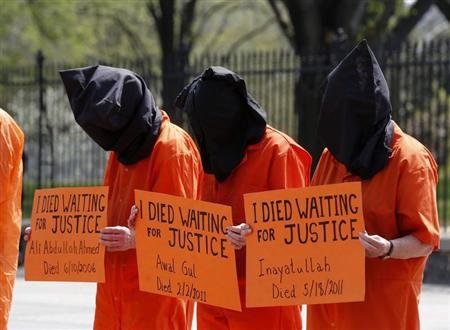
<point x="136" y="44"/>
<point x="223" y="25"/>
<point x="213" y="10"/>
<point x="284" y="26"/>
<point x="154" y="14"/>
<point x="185" y="38"/>
<point x="40" y="22"/>
<point x="378" y="35"/>
<point x="250" y="35"/>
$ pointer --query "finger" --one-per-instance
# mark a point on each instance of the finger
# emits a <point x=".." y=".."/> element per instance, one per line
<point x="111" y="237"/>
<point x="27" y="234"/>
<point x="108" y="244"/>
<point x="364" y="236"/>
<point x="376" y="241"/>
<point x="234" y="229"/>
<point x="112" y="230"/>
<point x="243" y="226"/>
<point x="246" y="231"/>
<point x="236" y="237"/>
<point x="120" y="241"/>
<point x="369" y="240"/>
<point x="369" y="247"/>
<point x="236" y="246"/>
<point x="134" y="210"/>
<point x="235" y="242"/>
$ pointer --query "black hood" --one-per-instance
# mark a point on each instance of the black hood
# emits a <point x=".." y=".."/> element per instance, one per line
<point x="355" y="117"/>
<point x="224" y="117"/>
<point x="115" y="108"/>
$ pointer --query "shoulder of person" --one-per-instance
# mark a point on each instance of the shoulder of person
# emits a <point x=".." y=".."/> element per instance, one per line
<point x="278" y="138"/>
<point x="410" y="153"/>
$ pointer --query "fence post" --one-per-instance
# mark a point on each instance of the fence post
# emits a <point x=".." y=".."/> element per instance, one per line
<point x="40" y="82"/>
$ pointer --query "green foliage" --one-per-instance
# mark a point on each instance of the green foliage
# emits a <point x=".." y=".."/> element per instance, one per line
<point x="73" y="30"/>
<point x="380" y="17"/>
<point x="52" y="26"/>
<point x="78" y="31"/>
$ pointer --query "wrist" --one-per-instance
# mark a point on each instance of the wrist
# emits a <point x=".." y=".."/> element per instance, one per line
<point x="388" y="254"/>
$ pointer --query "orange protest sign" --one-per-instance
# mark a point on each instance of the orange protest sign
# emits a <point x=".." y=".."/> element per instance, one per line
<point x="304" y="246"/>
<point x="65" y="226"/>
<point x="182" y="250"/>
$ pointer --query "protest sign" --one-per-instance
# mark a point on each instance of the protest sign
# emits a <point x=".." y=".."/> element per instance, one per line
<point x="182" y="250"/>
<point x="64" y="244"/>
<point x="304" y="246"/>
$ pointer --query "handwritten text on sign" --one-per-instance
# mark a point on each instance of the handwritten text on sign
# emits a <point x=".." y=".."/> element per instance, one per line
<point x="182" y="249"/>
<point x="65" y="225"/>
<point x="304" y="247"/>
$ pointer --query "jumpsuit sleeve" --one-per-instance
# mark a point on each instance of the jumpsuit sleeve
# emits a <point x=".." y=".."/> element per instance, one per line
<point x="417" y="207"/>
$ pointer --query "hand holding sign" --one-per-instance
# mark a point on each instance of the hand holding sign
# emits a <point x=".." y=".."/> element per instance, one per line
<point x="132" y="218"/>
<point x="376" y="246"/>
<point x="182" y="250"/>
<point x="305" y="243"/>
<point x="237" y="235"/>
<point x="64" y="245"/>
<point x="27" y="234"/>
<point x="117" y="238"/>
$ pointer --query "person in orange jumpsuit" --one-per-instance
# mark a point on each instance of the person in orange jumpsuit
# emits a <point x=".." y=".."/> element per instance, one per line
<point x="11" y="148"/>
<point x="398" y="177"/>
<point x="115" y="108"/>
<point x="240" y="154"/>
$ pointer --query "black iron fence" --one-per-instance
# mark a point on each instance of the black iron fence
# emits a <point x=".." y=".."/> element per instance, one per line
<point x="58" y="153"/>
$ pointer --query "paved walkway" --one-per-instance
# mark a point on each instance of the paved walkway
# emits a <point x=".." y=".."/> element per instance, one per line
<point x="70" y="306"/>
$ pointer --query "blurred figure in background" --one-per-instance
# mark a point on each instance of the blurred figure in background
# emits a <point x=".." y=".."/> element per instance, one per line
<point x="399" y="178"/>
<point x="240" y="154"/>
<point x="11" y="148"/>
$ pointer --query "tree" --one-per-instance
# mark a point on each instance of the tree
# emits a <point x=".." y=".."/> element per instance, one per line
<point x="329" y="27"/>
<point x="176" y="40"/>
<point x="137" y="31"/>
<point x="179" y="31"/>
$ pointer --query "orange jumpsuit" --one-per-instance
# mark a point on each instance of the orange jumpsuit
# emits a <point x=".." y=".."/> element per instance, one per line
<point x="275" y="162"/>
<point x="11" y="147"/>
<point x="398" y="201"/>
<point x="174" y="167"/>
